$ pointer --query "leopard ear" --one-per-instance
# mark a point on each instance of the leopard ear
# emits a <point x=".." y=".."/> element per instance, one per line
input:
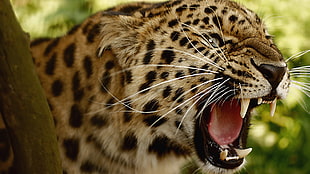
<point x="119" y="34"/>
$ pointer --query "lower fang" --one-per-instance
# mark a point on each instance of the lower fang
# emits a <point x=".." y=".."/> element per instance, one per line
<point x="223" y="155"/>
<point x="243" y="152"/>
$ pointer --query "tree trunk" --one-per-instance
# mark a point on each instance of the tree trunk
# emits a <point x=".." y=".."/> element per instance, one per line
<point x="22" y="103"/>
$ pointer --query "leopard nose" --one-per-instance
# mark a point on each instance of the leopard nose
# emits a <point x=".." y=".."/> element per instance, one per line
<point x="273" y="74"/>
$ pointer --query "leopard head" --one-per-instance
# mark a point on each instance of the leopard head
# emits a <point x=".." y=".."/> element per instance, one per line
<point x="193" y="71"/>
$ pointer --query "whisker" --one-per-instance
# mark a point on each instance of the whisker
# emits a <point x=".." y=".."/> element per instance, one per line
<point x="209" y="89"/>
<point x="214" y="94"/>
<point x="209" y="60"/>
<point x="188" y="91"/>
<point x="303" y="87"/>
<point x="183" y="103"/>
<point x="297" y="55"/>
<point x="208" y="43"/>
<point x="164" y="82"/>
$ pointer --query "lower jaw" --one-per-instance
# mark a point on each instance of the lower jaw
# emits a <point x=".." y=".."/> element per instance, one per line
<point x="220" y="156"/>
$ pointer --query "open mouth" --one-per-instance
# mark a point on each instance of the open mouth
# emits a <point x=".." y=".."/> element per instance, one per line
<point x="222" y="130"/>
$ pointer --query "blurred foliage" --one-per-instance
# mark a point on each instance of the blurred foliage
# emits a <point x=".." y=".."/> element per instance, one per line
<point x="281" y="144"/>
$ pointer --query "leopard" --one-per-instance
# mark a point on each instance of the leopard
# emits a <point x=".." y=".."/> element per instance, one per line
<point x="144" y="87"/>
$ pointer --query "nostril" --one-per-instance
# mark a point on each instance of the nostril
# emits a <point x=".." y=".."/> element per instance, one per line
<point x="273" y="74"/>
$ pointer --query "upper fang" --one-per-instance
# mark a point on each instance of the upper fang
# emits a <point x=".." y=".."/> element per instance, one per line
<point x="273" y="106"/>
<point x="259" y="101"/>
<point x="244" y="107"/>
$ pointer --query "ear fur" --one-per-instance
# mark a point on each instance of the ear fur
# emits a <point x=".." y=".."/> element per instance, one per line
<point x="119" y="33"/>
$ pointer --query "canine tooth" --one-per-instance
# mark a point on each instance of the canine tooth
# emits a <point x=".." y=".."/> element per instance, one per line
<point x="273" y="106"/>
<point x="259" y="101"/>
<point x="243" y="152"/>
<point x="223" y="154"/>
<point x="244" y="107"/>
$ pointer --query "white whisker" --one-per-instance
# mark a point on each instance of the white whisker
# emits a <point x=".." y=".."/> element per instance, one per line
<point x="297" y="55"/>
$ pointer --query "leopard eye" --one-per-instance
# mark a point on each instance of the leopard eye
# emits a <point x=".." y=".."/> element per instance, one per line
<point x="213" y="40"/>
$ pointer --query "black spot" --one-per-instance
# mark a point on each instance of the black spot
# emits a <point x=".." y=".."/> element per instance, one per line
<point x="205" y="67"/>
<point x="109" y="65"/>
<point x="128" y="76"/>
<point x="206" y="20"/>
<point x="143" y="88"/>
<point x="57" y="88"/>
<point x="181" y="8"/>
<point x="50" y="46"/>
<point x="217" y="21"/>
<point x="183" y="41"/>
<point x="130" y="8"/>
<point x="151" y="76"/>
<point x="74" y="29"/>
<point x="173" y="23"/>
<point x="163" y="146"/>
<point x="151" y="106"/>
<point x="127" y="116"/>
<point x="176" y="2"/>
<point x="179" y="74"/>
<point x="72" y="147"/>
<point x="78" y="93"/>
<point x="194" y="7"/>
<point x="69" y="54"/>
<point x="196" y="21"/>
<point x="164" y="75"/>
<point x="233" y="18"/>
<point x="179" y="111"/>
<point x="105" y="82"/>
<point x="167" y="91"/>
<point x="194" y="88"/>
<point x="192" y="44"/>
<point x="178" y="94"/>
<point x="192" y="70"/>
<point x="88" y="66"/>
<point x="187" y="23"/>
<point x="129" y="142"/>
<point x="154" y="120"/>
<point x="76" y="81"/>
<point x="149" y="54"/>
<point x="241" y="22"/>
<point x="200" y="49"/>
<point x="50" y="65"/>
<point x="94" y="31"/>
<point x="178" y="125"/>
<point x="110" y="103"/>
<point x="175" y="35"/>
<point x="39" y="41"/>
<point x="76" y="116"/>
<point x="87" y="166"/>
<point x="4" y="145"/>
<point x="168" y="55"/>
<point x="86" y="27"/>
<point x="210" y="9"/>
<point x="98" y="121"/>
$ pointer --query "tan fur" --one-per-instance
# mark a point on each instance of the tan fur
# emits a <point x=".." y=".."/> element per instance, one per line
<point x="123" y="39"/>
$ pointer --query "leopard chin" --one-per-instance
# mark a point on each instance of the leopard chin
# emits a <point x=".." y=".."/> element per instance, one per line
<point x="221" y="131"/>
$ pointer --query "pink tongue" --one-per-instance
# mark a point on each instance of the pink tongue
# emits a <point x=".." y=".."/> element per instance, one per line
<point x="225" y="122"/>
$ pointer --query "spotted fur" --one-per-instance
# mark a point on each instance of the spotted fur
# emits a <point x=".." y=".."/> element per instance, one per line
<point x="128" y="86"/>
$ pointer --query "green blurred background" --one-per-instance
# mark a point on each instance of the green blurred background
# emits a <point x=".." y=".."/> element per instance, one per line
<point x="281" y="144"/>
